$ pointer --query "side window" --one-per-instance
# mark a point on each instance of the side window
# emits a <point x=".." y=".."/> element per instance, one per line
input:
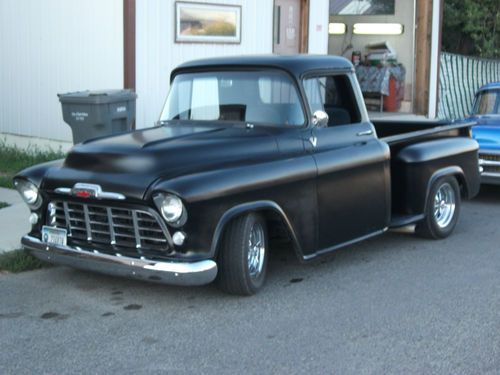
<point x="333" y="94"/>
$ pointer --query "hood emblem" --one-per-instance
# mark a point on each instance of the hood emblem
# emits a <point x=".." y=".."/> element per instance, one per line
<point x="82" y="190"/>
<point x="313" y="140"/>
<point x="86" y="190"/>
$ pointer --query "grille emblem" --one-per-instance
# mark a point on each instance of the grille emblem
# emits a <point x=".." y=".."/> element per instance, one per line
<point x="86" y="190"/>
<point x="83" y="194"/>
<point x="82" y="190"/>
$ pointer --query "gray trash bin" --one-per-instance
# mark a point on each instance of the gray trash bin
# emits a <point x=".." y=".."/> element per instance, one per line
<point x="92" y="114"/>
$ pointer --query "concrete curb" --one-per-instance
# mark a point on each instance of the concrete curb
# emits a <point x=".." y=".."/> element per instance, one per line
<point x="13" y="220"/>
<point x="10" y="196"/>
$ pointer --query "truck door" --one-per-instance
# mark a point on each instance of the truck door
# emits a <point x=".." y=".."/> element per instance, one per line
<point x="353" y="182"/>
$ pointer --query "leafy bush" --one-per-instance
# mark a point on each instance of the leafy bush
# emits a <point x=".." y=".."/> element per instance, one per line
<point x="14" y="159"/>
<point x="19" y="261"/>
<point x="472" y="27"/>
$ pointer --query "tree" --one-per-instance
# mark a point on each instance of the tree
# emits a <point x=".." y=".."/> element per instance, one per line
<point x="472" y="27"/>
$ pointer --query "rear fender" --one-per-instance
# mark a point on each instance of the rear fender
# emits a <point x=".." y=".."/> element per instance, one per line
<point x="454" y="171"/>
<point x="416" y="167"/>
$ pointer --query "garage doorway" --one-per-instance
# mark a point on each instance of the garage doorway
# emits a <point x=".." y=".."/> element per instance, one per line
<point x="290" y="26"/>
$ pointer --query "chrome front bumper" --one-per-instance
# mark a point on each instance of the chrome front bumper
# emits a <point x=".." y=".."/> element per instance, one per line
<point x="489" y="164"/>
<point x="172" y="273"/>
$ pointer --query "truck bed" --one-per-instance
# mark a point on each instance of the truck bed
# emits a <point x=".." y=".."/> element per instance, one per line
<point x="400" y="135"/>
<point x="405" y="132"/>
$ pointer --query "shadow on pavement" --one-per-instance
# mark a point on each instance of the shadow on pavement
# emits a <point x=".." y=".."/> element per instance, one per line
<point x="489" y="194"/>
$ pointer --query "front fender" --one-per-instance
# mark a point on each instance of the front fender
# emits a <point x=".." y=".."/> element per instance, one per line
<point x="239" y="179"/>
<point x="257" y="206"/>
<point x="37" y="172"/>
<point x="210" y="195"/>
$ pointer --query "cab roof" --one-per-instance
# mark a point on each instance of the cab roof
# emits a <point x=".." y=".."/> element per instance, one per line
<point x="296" y="65"/>
<point x="490" y="86"/>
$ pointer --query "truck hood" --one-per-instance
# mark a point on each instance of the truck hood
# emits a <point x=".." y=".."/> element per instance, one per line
<point x="129" y="163"/>
<point x="487" y="132"/>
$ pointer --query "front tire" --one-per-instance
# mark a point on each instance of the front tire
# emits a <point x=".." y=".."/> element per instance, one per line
<point x="442" y="209"/>
<point x="243" y="256"/>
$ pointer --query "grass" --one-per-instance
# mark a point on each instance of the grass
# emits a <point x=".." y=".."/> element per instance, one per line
<point x="18" y="261"/>
<point x="3" y="205"/>
<point x="14" y="159"/>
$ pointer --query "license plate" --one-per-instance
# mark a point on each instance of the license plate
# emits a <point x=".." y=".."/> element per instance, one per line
<point x="54" y="236"/>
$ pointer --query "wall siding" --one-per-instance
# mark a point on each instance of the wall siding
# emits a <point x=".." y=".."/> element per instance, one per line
<point x="158" y="54"/>
<point x="318" y="26"/>
<point x="55" y="46"/>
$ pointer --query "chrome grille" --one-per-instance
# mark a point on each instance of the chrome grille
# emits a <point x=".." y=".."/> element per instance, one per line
<point x="117" y="227"/>
<point x="489" y="157"/>
<point x="490" y="163"/>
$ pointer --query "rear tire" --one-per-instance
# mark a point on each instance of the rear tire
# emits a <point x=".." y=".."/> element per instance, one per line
<point x="243" y="256"/>
<point x="442" y="209"/>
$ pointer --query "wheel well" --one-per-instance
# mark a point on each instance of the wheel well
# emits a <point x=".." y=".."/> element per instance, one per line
<point x="279" y="233"/>
<point x="462" y="184"/>
<point x="276" y="228"/>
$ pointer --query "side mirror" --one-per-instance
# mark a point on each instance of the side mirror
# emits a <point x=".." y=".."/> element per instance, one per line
<point x="320" y="119"/>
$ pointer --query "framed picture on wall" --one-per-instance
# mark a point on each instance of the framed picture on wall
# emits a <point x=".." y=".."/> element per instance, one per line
<point x="207" y="23"/>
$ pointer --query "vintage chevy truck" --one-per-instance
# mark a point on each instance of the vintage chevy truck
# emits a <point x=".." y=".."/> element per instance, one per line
<point x="248" y="151"/>
<point x="486" y="116"/>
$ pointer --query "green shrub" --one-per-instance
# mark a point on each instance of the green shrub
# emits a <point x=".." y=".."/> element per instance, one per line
<point x="14" y="159"/>
<point x="19" y="261"/>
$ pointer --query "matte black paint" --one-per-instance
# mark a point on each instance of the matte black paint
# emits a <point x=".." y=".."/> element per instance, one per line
<point x="345" y="189"/>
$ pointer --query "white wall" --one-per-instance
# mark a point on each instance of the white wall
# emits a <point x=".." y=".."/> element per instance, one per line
<point x="318" y="26"/>
<point x="54" y="46"/>
<point x="157" y="53"/>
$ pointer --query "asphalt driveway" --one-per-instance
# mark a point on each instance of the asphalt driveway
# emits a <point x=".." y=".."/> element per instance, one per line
<point x="396" y="304"/>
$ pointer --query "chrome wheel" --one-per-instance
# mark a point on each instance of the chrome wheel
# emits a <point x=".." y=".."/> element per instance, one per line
<point x="256" y="250"/>
<point x="444" y="205"/>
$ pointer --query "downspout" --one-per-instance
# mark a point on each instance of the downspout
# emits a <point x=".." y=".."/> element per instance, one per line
<point x="437" y="9"/>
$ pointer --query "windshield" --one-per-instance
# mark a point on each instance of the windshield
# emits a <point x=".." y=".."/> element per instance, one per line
<point x="265" y="97"/>
<point x="487" y="103"/>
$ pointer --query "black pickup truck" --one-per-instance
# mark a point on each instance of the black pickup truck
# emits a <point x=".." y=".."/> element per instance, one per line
<point x="248" y="151"/>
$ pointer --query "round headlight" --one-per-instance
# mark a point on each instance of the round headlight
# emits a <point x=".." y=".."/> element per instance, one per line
<point x="29" y="192"/>
<point x="171" y="208"/>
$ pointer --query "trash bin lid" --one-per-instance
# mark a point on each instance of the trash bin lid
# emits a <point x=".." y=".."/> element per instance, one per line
<point x="97" y="96"/>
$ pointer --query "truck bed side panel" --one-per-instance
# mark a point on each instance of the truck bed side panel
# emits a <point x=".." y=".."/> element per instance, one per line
<point x="392" y="128"/>
<point x="414" y="166"/>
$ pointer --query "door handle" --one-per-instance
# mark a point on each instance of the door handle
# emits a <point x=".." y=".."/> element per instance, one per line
<point x="366" y="132"/>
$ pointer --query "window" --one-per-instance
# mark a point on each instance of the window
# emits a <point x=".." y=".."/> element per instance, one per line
<point x="488" y="103"/>
<point x="261" y="97"/>
<point x="205" y="105"/>
<point x="333" y="95"/>
<point x="361" y="7"/>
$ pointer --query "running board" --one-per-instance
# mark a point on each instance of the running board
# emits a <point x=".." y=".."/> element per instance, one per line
<point x="344" y="244"/>
<point x="399" y="221"/>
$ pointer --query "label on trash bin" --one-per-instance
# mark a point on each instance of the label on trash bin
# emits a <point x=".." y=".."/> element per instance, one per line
<point x="79" y="116"/>
<point x="121" y="109"/>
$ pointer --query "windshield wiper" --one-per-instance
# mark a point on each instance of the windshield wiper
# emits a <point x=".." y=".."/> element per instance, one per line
<point x="161" y="122"/>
